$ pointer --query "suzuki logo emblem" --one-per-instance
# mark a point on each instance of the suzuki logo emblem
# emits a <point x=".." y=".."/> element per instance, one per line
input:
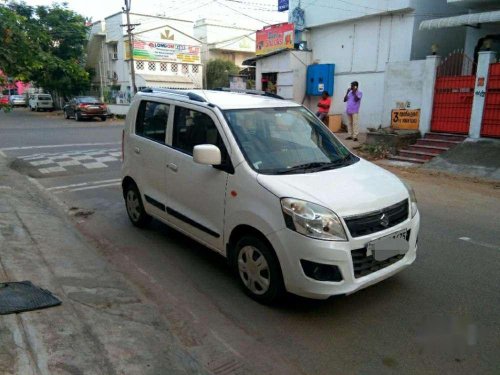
<point x="384" y="220"/>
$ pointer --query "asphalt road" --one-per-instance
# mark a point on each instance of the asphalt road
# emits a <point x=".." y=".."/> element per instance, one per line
<point x="440" y="316"/>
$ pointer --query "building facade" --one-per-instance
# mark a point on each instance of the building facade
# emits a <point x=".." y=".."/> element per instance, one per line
<point x="166" y="55"/>
<point x="221" y="40"/>
<point x="365" y="39"/>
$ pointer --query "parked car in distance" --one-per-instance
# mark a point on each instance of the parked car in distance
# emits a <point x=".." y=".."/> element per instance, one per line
<point x="18" y="100"/>
<point x="4" y="99"/>
<point x="38" y="102"/>
<point x="264" y="182"/>
<point x="82" y="107"/>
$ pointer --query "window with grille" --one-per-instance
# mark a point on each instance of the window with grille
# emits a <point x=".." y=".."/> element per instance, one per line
<point x="139" y="65"/>
<point x="152" y="65"/>
<point x="195" y="69"/>
<point x="163" y="67"/>
<point x="185" y="69"/>
<point x="173" y="67"/>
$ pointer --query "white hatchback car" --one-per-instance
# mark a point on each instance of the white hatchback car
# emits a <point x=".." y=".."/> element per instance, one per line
<point x="263" y="182"/>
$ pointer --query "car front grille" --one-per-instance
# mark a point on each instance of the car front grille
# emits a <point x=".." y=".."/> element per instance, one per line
<point x="362" y="225"/>
<point x="365" y="265"/>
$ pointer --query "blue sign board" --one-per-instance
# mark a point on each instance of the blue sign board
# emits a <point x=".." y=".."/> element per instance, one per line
<point x="282" y="5"/>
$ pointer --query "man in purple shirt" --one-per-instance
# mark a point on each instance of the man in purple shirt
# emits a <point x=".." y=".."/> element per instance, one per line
<point x="353" y="100"/>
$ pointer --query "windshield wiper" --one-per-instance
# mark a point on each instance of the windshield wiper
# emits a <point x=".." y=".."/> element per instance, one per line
<point x="334" y="164"/>
<point x="304" y="167"/>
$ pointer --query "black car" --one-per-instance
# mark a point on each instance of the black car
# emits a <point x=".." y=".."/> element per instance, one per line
<point x="82" y="107"/>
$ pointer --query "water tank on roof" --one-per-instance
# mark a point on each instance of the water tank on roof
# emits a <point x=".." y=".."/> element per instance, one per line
<point x="320" y="78"/>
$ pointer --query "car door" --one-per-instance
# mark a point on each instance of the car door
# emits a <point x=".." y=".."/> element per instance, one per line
<point x="148" y="150"/>
<point x="196" y="193"/>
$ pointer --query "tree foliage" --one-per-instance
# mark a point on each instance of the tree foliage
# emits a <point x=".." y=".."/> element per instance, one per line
<point x="45" y="45"/>
<point x="218" y="72"/>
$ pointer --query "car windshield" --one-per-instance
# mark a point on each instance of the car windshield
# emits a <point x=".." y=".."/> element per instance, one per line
<point x="88" y="99"/>
<point x="286" y="141"/>
<point x="44" y="97"/>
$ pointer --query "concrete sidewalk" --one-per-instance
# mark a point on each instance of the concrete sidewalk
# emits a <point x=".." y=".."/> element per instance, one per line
<point x="104" y="325"/>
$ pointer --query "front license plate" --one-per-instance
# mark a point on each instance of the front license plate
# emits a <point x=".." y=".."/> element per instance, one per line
<point x="389" y="246"/>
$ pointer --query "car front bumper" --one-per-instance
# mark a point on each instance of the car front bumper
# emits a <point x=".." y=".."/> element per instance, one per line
<point x="292" y="247"/>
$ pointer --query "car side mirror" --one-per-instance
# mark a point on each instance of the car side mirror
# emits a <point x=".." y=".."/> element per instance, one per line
<point x="207" y="155"/>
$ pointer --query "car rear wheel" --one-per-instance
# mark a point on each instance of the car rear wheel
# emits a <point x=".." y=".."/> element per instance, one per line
<point x="103" y="118"/>
<point x="66" y="116"/>
<point x="135" y="208"/>
<point x="37" y="109"/>
<point x="258" y="270"/>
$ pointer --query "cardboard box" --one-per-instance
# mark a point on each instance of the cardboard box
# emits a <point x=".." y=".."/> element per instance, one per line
<point x="335" y="122"/>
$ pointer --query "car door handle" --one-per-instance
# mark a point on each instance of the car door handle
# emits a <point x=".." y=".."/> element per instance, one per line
<point x="137" y="150"/>
<point x="172" y="167"/>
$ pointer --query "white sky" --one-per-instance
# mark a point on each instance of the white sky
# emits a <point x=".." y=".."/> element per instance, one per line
<point x="258" y="10"/>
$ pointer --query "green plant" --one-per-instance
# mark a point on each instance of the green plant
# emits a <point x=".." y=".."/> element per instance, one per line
<point x="375" y="151"/>
<point x="5" y="107"/>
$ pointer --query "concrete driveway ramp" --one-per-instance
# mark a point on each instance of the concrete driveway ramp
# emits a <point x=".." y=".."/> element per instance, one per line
<point x="24" y="296"/>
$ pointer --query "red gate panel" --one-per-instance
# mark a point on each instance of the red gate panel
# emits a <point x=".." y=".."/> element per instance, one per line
<point x="491" y="115"/>
<point x="452" y="109"/>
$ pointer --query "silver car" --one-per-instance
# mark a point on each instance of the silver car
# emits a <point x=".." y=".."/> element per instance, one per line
<point x="18" y="100"/>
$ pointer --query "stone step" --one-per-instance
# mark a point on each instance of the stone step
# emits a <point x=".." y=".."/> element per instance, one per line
<point x="436" y="142"/>
<point x="403" y="158"/>
<point x="430" y="149"/>
<point x="425" y="156"/>
<point x="446" y="136"/>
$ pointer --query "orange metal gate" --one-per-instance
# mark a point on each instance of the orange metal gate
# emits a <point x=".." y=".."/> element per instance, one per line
<point x="453" y="95"/>
<point x="491" y="115"/>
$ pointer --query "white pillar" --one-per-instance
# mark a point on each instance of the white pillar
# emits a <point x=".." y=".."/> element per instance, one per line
<point x="476" y="118"/>
<point x="430" y="71"/>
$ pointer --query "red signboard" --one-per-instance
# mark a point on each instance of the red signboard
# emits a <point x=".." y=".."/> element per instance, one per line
<point x="273" y="38"/>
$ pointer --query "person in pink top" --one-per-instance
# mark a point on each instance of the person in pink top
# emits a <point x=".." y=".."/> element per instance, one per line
<point x="324" y="105"/>
<point x="353" y="100"/>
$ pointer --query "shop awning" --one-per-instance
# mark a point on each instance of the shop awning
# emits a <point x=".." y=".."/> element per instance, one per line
<point x="471" y="19"/>
<point x="164" y="81"/>
<point x="251" y="61"/>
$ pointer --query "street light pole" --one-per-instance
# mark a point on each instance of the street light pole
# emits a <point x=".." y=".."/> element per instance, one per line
<point x="130" y="46"/>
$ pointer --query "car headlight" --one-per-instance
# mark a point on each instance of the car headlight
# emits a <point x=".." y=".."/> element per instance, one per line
<point x="413" y="199"/>
<point x="312" y="220"/>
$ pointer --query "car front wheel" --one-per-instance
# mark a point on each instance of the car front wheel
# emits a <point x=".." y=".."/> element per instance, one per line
<point x="66" y="116"/>
<point x="258" y="270"/>
<point x="78" y="117"/>
<point x="135" y="208"/>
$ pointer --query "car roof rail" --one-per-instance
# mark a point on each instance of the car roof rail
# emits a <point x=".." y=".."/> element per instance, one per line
<point x="251" y="92"/>
<point x="190" y="95"/>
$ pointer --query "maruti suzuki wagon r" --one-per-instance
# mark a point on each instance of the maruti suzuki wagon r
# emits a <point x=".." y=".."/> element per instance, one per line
<point x="263" y="182"/>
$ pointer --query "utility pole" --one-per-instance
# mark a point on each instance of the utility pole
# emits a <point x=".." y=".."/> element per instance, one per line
<point x="130" y="27"/>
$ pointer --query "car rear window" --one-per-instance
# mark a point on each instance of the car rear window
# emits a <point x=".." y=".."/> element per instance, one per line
<point x="88" y="99"/>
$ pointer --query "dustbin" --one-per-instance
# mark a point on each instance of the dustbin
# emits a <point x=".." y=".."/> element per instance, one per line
<point x="335" y="122"/>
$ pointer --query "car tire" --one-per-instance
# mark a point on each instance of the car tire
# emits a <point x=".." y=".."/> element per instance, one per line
<point x="258" y="270"/>
<point x="103" y="118"/>
<point x="37" y="109"/>
<point x="78" y="117"/>
<point x="66" y="116"/>
<point x="135" y="208"/>
<point x="32" y="109"/>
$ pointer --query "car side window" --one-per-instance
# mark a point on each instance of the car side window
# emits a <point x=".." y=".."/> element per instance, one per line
<point x="193" y="128"/>
<point x="152" y="121"/>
